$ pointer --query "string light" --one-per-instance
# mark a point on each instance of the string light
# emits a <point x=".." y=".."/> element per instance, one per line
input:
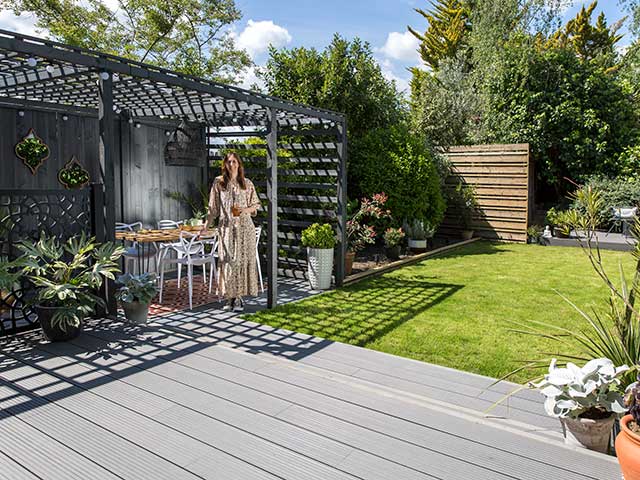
<point x="21" y="113"/>
<point x="32" y="62"/>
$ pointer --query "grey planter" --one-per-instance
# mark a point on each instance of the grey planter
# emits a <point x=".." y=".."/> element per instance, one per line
<point x="320" y="265"/>
<point x="588" y="433"/>
<point x="136" y="312"/>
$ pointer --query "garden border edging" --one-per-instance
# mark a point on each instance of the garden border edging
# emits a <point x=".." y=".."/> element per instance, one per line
<point x="405" y="261"/>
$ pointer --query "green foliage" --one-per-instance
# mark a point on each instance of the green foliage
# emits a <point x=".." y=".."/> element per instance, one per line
<point x="393" y="237"/>
<point x="447" y="27"/>
<point x="399" y="163"/>
<point x="198" y="204"/>
<point x="32" y="151"/>
<point x="137" y="288"/>
<point x="319" y="236"/>
<point x="463" y="202"/>
<point x="534" y="233"/>
<point x="190" y="36"/>
<point x="66" y="275"/>
<point x="345" y="77"/>
<point x="615" y="193"/>
<point x="10" y="272"/>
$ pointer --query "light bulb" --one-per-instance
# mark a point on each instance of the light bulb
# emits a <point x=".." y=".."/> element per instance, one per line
<point x="49" y="68"/>
<point x="32" y="62"/>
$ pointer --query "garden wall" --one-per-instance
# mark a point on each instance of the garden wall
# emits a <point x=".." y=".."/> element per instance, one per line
<point x="502" y="178"/>
<point x="142" y="178"/>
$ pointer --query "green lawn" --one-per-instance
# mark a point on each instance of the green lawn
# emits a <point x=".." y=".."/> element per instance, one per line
<point x="455" y="310"/>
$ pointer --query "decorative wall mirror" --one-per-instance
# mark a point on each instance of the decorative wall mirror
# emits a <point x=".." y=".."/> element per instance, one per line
<point x="73" y="175"/>
<point x="32" y="151"/>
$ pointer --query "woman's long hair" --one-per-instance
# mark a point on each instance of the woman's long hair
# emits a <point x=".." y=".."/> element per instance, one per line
<point x="226" y="175"/>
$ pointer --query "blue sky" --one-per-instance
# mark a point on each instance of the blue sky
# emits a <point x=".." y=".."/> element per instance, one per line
<point x="312" y="23"/>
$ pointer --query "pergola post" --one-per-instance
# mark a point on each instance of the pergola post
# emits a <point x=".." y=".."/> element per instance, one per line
<point x="107" y="152"/>
<point x="342" y="204"/>
<point x="272" y="212"/>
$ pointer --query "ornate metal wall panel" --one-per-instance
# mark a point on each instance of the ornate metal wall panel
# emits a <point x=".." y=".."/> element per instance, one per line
<point x="25" y="214"/>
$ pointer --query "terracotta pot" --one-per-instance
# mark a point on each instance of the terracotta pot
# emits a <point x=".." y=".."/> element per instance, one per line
<point x="348" y="262"/>
<point x="466" y="234"/>
<point x="588" y="433"/>
<point x="628" y="450"/>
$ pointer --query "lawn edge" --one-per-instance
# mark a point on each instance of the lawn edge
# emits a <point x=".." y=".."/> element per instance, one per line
<point x="405" y="261"/>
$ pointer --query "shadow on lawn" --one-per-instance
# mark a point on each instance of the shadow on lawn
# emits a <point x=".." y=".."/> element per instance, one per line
<point x="480" y="247"/>
<point x="361" y="313"/>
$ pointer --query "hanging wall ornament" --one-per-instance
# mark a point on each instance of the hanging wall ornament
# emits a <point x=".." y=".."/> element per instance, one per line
<point x="73" y="175"/>
<point x="186" y="145"/>
<point x="32" y="151"/>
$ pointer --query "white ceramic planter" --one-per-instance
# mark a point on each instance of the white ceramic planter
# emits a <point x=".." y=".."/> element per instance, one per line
<point x="417" y="244"/>
<point x="587" y="433"/>
<point x="320" y="267"/>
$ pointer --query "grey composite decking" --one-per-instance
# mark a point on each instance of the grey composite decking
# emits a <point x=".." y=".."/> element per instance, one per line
<point x="206" y="394"/>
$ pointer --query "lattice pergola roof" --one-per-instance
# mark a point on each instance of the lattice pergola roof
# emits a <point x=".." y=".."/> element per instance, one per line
<point x="33" y="69"/>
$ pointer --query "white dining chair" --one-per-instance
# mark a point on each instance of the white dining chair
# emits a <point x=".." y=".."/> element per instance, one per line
<point x="193" y="255"/>
<point x="131" y="253"/>
<point x="167" y="247"/>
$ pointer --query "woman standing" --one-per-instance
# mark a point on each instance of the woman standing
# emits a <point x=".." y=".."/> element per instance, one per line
<point x="234" y="201"/>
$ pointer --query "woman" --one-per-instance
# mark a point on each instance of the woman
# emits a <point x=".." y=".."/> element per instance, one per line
<point x="234" y="201"/>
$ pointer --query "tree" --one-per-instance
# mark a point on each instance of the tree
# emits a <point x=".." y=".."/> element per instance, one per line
<point x="190" y="36"/>
<point x="448" y="24"/>
<point x="344" y="77"/>
<point x="588" y="41"/>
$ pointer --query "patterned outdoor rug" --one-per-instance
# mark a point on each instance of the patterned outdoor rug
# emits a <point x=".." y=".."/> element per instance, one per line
<point x="174" y="299"/>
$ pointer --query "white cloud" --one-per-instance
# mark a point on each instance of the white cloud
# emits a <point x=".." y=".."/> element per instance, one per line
<point x="250" y="78"/>
<point x="257" y="36"/>
<point x="24" y="23"/>
<point x="401" y="46"/>
<point x="387" y="68"/>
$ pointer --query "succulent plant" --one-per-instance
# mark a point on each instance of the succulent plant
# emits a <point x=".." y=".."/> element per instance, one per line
<point x="572" y="391"/>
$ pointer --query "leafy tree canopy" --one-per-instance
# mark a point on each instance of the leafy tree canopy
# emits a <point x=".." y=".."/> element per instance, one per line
<point x="190" y="36"/>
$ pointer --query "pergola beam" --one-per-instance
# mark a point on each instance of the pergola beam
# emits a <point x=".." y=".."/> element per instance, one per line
<point x="272" y="212"/>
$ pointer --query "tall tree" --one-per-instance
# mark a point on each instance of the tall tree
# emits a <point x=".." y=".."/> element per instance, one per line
<point x="448" y="23"/>
<point x="191" y="36"/>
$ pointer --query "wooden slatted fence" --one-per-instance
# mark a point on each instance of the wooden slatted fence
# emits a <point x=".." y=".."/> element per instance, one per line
<point x="501" y="177"/>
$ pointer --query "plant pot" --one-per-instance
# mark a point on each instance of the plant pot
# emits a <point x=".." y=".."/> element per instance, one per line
<point x="588" y="433"/>
<point x="320" y="267"/>
<point x="348" y="262"/>
<point x="418" y="246"/>
<point x="136" y="312"/>
<point x="628" y="450"/>
<point x="466" y="234"/>
<point x="54" y="333"/>
<point x="392" y="253"/>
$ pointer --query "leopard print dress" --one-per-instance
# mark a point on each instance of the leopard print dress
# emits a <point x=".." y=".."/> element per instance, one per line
<point x="238" y="270"/>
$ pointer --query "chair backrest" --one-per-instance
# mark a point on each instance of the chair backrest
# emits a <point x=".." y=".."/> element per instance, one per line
<point x="258" y="233"/>
<point x="168" y="224"/>
<point x="128" y="227"/>
<point x="190" y="244"/>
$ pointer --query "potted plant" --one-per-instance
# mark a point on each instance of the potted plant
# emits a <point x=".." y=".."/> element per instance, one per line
<point x="628" y="440"/>
<point x="66" y="277"/>
<point x="534" y="234"/>
<point x="392" y="239"/>
<point x="359" y="232"/>
<point x="320" y="241"/>
<point x="9" y="282"/>
<point x="417" y="238"/>
<point x="585" y="400"/>
<point x="135" y="295"/>
<point x="466" y="203"/>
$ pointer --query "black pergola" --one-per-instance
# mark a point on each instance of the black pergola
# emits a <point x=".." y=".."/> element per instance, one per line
<point x="46" y="75"/>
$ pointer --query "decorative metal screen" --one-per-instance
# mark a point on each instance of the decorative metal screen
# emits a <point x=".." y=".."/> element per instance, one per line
<point x="24" y="214"/>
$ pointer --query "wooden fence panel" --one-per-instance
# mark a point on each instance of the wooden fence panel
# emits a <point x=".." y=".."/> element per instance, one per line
<point x="501" y="176"/>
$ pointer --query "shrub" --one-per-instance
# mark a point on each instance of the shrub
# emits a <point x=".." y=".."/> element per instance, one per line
<point x="399" y="163"/>
<point x="319" y="236"/>
<point x="393" y="237"/>
<point x="615" y="192"/>
<point x="360" y="232"/>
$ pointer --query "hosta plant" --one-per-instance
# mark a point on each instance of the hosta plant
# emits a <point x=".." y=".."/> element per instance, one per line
<point x="137" y="288"/>
<point x="587" y="392"/>
<point x="67" y="275"/>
